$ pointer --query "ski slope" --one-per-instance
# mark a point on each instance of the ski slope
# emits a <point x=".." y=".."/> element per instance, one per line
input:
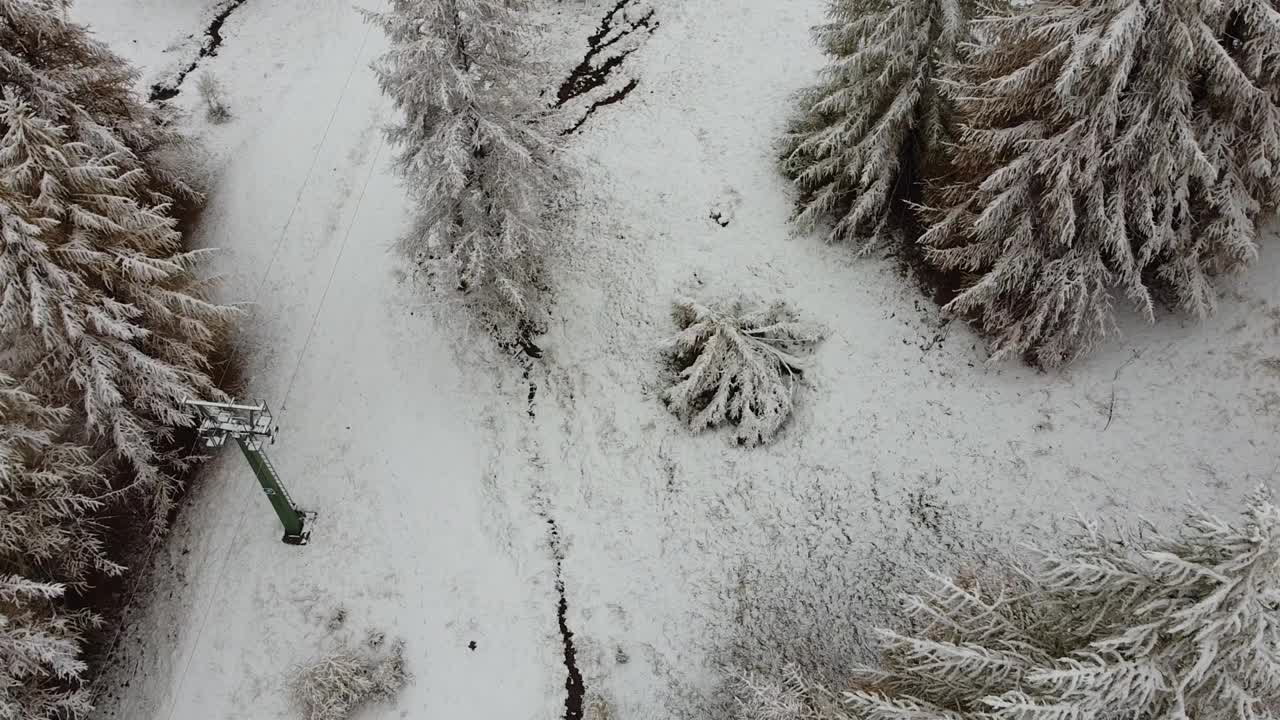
<point x="456" y="496"/>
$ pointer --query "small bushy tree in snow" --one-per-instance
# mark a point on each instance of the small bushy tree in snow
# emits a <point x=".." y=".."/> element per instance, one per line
<point x="99" y="308"/>
<point x="335" y="686"/>
<point x="857" y="150"/>
<point x="215" y="101"/>
<point x="739" y="364"/>
<point x="1117" y="145"/>
<point x="476" y="167"/>
<point x="1139" y="626"/>
<point x="790" y="696"/>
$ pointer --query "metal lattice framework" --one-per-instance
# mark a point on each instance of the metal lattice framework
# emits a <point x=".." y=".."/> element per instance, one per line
<point x="251" y="427"/>
<point x="219" y="421"/>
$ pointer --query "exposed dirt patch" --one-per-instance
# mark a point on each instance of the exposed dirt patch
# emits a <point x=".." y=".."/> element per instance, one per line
<point x="575" y="687"/>
<point x="169" y="89"/>
<point x="617" y="96"/>
<point x="619" y="34"/>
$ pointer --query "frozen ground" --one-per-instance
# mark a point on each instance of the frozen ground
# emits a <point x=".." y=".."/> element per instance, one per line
<point x="450" y="504"/>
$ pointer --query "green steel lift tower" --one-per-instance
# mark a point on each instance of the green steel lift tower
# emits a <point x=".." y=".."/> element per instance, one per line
<point x="250" y="426"/>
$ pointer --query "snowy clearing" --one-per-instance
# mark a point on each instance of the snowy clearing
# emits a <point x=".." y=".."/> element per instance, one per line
<point x="459" y="501"/>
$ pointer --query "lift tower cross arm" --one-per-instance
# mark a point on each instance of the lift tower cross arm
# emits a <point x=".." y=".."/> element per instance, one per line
<point x="250" y="425"/>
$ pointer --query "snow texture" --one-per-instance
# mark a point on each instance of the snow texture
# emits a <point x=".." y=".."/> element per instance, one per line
<point x="738" y="363"/>
<point x="412" y="438"/>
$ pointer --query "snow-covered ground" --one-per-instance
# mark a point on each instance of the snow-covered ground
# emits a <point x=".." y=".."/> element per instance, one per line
<point x="160" y="38"/>
<point x="449" y="502"/>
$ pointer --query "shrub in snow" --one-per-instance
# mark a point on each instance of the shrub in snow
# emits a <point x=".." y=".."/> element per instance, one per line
<point x="738" y="363"/>
<point x="215" y="101"/>
<point x="792" y="696"/>
<point x="75" y="82"/>
<point x="333" y="687"/>
<point x="100" y="309"/>
<point x="857" y="150"/>
<point x="1108" y="147"/>
<point x="477" y="169"/>
<point x="1147" y="626"/>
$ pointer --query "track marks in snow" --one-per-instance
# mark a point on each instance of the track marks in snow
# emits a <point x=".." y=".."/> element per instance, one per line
<point x="169" y="88"/>
<point x="620" y="33"/>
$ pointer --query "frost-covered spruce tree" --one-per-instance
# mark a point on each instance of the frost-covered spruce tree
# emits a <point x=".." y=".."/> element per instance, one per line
<point x="48" y="542"/>
<point x="1137" y="626"/>
<point x="791" y="696"/>
<point x="75" y="82"/>
<point x="40" y="663"/>
<point x="476" y="168"/>
<point x="738" y="364"/>
<point x="49" y="494"/>
<point x="1240" y="134"/>
<point x="1104" y="150"/>
<point x="99" y="308"/>
<point x="858" y="150"/>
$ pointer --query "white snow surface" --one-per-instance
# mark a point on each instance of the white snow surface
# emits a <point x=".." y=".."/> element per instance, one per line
<point x="435" y="477"/>
<point x="157" y="37"/>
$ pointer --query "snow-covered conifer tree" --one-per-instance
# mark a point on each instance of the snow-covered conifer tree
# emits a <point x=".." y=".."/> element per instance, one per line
<point x="48" y="542"/>
<point x="1106" y="145"/>
<point x="858" y="149"/>
<point x="40" y="661"/>
<point x="1240" y="134"/>
<point x="98" y="308"/>
<point x="792" y="696"/>
<point x="476" y="167"/>
<point x="738" y="364"/>
<point x="75" y="82"/>
<point x="49" y="491"/>
<point x="1134" y="626"/>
